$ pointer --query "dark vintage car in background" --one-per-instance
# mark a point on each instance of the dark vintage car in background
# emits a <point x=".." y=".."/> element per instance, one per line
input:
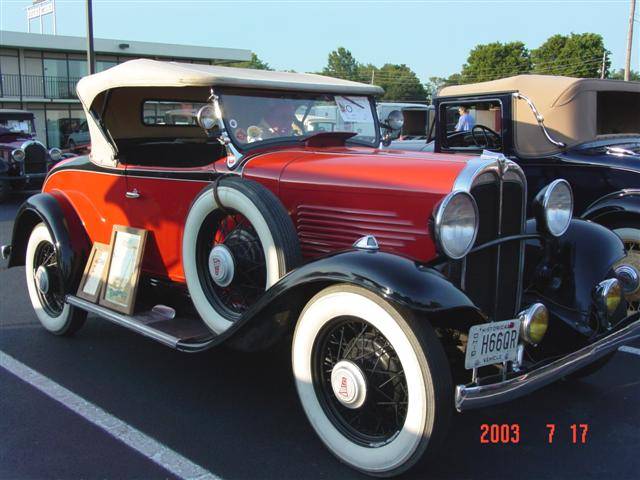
<point x="24" y="161"/>
<point x="414" y="127"/>
<point x="411" y="284"/>
<point x="586" y="131"/>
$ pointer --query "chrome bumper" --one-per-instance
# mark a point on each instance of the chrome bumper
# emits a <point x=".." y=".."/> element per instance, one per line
<point x="473" y="396"/>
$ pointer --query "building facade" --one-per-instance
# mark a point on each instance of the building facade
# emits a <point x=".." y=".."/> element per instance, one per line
<point x="39" y="72"/>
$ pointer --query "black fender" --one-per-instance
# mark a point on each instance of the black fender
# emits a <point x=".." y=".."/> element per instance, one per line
<point x="614" y="207"/>
<point x="403" y="282"/>
<point x="71" y="241"/>
<point x="563" y="272"/>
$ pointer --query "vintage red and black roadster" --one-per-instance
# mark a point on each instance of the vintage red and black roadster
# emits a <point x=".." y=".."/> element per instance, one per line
<point x="411" y="284"/>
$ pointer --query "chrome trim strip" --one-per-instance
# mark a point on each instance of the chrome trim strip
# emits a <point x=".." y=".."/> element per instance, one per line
<point x="124" y="321"/>
<point x="468" y="397"/>
<point x="539" y="119"/>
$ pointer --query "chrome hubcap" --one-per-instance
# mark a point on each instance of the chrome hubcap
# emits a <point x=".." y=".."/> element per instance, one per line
<point x="42" y="279"/>
<point x="221" y="265"/>
<point x="349" y="384"/>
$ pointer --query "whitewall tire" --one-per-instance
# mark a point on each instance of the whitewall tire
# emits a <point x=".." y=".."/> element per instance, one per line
<point x="44" y="285"/>
<point x="260" y="246"/>
<point x="413" y="358"/>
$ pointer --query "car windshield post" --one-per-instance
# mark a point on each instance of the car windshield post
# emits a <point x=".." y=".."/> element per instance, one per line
<point x="253" y="119"/>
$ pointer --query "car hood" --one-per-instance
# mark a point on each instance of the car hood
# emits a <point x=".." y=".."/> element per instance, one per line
<point x="385" y="170"/>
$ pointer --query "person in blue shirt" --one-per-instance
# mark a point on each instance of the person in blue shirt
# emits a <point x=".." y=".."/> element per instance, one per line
<point x="465" y="122"/>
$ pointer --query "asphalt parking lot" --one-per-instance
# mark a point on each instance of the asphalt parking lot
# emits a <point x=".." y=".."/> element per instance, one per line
<point x="237" y="415"/>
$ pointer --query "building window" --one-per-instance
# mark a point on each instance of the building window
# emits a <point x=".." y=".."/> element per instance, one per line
<point x="56" y="78"/>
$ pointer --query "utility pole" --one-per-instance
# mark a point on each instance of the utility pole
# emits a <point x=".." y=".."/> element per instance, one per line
<point x="627" y="68"/>
<point x="604" y="63"/>
<point x="91" y="56"/>
<point x="373" y="76"/>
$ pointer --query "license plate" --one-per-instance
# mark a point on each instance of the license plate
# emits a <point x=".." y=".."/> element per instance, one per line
<point x="492" y="343"/>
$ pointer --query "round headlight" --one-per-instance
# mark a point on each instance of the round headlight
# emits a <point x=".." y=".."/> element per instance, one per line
<point x="395" y="120"/>
<point x="535" y="322"/>
<point x="556" y="207"/>
<point x="206" y="117"/>
<point x="456" y="224"/>
<point x="18" y="155"/>
<point x="55" y="154"/>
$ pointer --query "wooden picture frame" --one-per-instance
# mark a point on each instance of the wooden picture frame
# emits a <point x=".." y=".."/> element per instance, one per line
<point x="93" y="276"/>
<point x="123" y="270"/>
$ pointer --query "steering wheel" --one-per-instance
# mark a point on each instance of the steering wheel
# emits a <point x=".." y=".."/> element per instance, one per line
<point x="486" y="132"/>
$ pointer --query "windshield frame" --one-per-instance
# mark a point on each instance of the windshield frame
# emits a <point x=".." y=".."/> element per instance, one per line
<point x="289" y="141"/>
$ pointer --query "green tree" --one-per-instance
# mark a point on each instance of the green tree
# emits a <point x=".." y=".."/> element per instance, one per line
<point x="433" y="86"/>
<point x="495" y="60"/>
<point x="400" y="83"/>
<point x="575" y="55"/>
<point x="341" y="64"/>
<point x="254" y="63"/>
<point x="619" y="75"/>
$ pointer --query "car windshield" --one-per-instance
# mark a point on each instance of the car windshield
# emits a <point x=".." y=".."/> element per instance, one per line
<point x="256" y="118"/>
<point x="17" y="125"/>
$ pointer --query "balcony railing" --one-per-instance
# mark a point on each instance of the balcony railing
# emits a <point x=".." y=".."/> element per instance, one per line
<point x="37" y="86"/>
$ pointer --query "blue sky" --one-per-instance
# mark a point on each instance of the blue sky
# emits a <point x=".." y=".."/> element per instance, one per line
<point x="433" y="37"/>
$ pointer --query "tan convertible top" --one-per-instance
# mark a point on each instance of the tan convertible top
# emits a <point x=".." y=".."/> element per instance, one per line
<point x="575" y="110"/>
<point x="153" y="73"/>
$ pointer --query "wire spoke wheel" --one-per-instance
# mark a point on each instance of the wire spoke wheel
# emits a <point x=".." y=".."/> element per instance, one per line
<point x="633" y="257"/>
<point x="381" y="415"/>
<point x="234" y="281"/>
<point x="46" y="275"/>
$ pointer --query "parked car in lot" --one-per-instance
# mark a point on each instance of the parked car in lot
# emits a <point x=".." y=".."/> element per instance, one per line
<point x="586" y="131"/>
<point x="411" y="284"/>
<point x="414" y="127"/>
<point x="79" y="137"/>
<point x="24" y="161"/>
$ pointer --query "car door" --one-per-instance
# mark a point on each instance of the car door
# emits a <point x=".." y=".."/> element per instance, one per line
<point x="158" y="200"/>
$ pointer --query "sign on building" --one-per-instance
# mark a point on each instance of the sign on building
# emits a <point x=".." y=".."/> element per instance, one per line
<point x="39" y="9"/>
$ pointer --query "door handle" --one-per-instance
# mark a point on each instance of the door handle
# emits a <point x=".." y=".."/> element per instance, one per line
<point x="133" y="194"/>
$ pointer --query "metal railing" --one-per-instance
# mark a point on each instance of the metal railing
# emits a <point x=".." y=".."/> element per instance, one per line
<point x="37" y="86"/>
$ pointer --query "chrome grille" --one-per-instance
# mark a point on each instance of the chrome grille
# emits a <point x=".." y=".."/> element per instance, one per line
<point x="35" y="159"/>
<point x="492" y="277"/>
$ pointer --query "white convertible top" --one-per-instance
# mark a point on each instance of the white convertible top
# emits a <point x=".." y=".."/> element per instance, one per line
<point x="153" y="73"/>
<point x="131" y="83"/>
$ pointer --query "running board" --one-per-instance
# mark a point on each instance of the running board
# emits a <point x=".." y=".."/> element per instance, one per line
<point x="182" y="333"/>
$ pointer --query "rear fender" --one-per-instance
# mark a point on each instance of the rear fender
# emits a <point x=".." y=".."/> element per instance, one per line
<point x="403" y="282"/>
<point x="614" y="207"/>
<point x="71" y="241"/>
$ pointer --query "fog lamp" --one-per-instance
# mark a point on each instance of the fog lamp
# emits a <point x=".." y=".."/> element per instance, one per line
<point x="534" y="322"/>
<point x="609" y="295"/>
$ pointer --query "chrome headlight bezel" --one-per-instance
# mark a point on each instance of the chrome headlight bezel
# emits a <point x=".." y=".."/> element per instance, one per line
<point x="55" y="154"/>
<point x="18" y="155"/>
<point x="546" y="206"/>
<point x="440" y="224"/>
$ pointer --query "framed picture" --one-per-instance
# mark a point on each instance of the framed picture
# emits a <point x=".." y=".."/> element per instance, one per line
<point x="93" y="276"/>
<point x="123" y="269"/>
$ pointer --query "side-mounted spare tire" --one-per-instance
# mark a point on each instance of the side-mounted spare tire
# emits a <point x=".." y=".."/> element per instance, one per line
<point x="237" y="243"/>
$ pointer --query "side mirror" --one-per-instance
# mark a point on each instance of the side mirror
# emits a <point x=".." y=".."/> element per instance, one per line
<point x="207" y="118"/>
<point x="395" y="120"/>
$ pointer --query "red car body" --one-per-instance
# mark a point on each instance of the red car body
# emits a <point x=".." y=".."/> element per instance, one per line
<point x="334" y="196"/>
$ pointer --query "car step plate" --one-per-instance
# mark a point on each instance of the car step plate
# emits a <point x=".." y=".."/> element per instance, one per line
<point x="491" y="343"/>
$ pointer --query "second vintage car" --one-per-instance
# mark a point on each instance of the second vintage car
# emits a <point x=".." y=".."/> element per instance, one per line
<point x="24" y="161"/>
<point x="584" y="130"/>
<point x="411" y="284"/>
